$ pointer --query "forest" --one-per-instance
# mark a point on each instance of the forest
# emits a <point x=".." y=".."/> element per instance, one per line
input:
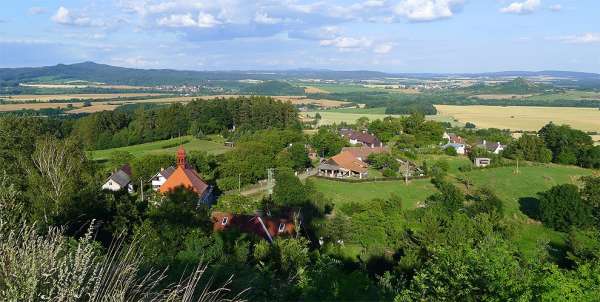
<point x="62" y="236"/>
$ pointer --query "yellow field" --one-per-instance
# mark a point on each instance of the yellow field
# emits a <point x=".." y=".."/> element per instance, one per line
<point x="523" y="118"/>
<point x="76" y="86"/>
<point x="312" y="89"/>
<point x="113" y="104"/>
<point x="65" y="97"/>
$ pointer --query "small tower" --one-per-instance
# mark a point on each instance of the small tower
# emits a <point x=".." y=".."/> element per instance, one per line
<point x="181" y="157"/>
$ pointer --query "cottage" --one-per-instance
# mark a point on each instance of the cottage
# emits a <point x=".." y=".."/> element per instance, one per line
<point x="460" y="148"/>
<point x="119" y="180"/>
<point x="453" y="138"/>
<point x="361" y="138"/>
<point x="343" y="165"/>
<point x="495" y="148"/>
<point x="186" y="177"/>
<point x="266" y="227"/>
<point x="161" y="177"/>
<point x="362" y="153"/>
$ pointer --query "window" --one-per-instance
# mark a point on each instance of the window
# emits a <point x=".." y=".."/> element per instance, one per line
<point x="281" y="227"/>
<point x="224" y="221"/>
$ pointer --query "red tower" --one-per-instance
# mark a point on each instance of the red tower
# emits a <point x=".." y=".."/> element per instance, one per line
<point x="181" y="157"/>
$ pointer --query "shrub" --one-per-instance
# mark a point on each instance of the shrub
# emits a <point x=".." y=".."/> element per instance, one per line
<point x="387" y="172"/>
<point x="562" y="207"/>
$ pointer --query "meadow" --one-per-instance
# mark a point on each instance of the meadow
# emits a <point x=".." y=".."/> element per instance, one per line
<point x="523" y="117"/>
<point x="169" y="146"/>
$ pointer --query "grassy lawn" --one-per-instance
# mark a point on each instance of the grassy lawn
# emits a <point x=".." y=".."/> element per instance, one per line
<point x="169" y="146"/>
<point x="343" y="192"/>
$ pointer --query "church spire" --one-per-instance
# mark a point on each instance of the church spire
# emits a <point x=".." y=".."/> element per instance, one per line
<point x="181" y="157"/>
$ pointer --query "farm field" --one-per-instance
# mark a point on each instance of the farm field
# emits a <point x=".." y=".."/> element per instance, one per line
<point x="113" y="104"/>
<point x="67" y="97"/>
<point x="338" y="116"/>
<point x="86" y="85"/>
<point x="168" y="146"/>
<point x="523" y="117"/>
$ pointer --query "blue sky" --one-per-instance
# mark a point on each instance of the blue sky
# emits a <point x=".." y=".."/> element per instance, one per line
<point x="386" y="35"/>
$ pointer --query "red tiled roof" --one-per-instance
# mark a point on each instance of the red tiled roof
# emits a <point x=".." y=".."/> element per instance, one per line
<point x="252" y="224"/>
<point x="184" y="176"/>
<point x="347" y="161"/>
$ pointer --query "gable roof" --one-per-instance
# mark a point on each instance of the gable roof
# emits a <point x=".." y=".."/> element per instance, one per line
<point x="364" y="152"/>
<point x="492" y="147"/>
<point x="184" y="177"/>
<point x="166" y="173"/>
<point x="347" y="161"/>
<point x="266" y="227"/>
<point x="361" y="136"/>
<point x="120" y="177"/>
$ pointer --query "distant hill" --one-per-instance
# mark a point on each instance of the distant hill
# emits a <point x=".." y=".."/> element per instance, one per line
<point x="516" y="86"/>
<point x="93" y="72"/>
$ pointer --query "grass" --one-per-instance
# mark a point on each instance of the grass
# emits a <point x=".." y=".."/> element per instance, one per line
<point x="169" y="146"/>
<point x="344" y="192"/>
<point x="523" y="117"/>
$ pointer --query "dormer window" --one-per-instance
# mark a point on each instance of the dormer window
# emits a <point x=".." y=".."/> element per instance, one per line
<point x="225" y="220"/>
<point x="281" y="227"/>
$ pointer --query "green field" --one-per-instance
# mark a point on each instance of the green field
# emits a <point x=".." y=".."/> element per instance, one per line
<point x="510" y="187"/>
<point x="170" y="146"/>
<point x="350" y="116"/>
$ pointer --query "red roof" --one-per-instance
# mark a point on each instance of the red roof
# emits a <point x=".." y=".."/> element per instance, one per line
<point x="184" y="176"/>
<point x="347" y="161"/>
<point x="253" y="224"/>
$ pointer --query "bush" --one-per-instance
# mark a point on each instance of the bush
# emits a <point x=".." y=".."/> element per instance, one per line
<point x="562" y="207"/>
<point x="387" y="172"/>
<point x="450" y="151"/>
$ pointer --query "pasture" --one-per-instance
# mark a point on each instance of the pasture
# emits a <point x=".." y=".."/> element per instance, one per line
<point x="523" y="117"/>
<point x="169" y="146"/>
<point x="68" y="97"/>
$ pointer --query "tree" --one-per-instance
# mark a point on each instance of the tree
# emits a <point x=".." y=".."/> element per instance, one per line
<point x="562" y="207"/>
<point x="470" y="125"/>
<point x="237" y="204"/>
<point x="117" y="159"/>
<point x="564" y="142"/>
<point x="382" y="161"/>
<point x="288" y="190"/>
<point x="327" y="142"/>
<point x="451" y="151"/>
<point x="530" y="148"/>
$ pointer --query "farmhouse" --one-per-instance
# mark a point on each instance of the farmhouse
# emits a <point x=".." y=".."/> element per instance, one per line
<point x="361" y="138"/>
<point x="186" y="177"/>
<point x="119" y="180"/>
<point x="343" y="165"/>
<point x="453" y="138"/>
<point x="495" y="148"/>
<point x="362" y="153"/>
<point x="460" y="148"/>
<point x="266" y="227"/>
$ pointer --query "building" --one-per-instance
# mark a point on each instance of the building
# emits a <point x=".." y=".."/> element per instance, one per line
<point x="362" y="153"/>
<point x="453" y="138"/>
<point x="495" y="148"/>
<point x="119" y="180"/>
<point x="266" y="227"/>
<point x="482" y="162"/>
<point x="361" y="138"/>
<point x="343" y="165"/>
<point x="160" y="178"/>
<point x="186" y="177"/>
<point x="460" y="148"/>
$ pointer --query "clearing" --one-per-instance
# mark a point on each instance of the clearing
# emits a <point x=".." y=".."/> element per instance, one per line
<point x="169" y="146"/>
<point x="524" y="118"/>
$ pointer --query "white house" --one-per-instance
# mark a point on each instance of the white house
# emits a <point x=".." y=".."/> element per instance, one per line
<point x="495" y="148"/>
<point x="161" y="177"/>
<point x="460" y="148"/>
<point x="119" y="180"/>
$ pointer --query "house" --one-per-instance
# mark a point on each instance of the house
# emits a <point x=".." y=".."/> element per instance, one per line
<point x="361" y="138"/>
<point x="343" y="165"/>
<point x="482" y="162"/>
<point x="460" y="148"/>
<point x="495" y="148"/>
<point x="362" y="153"/>
<point x="266" y="227"/>
<point x="160" y="178"/>
<point x="453" y="138"/>
<point x="186" y="177"/>
<point x="119" y="180"/>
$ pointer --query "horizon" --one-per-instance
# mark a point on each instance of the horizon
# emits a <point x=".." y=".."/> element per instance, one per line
<point x="392" y="36"/>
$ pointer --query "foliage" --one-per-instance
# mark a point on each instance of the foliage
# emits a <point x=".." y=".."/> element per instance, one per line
<point x="289" y="190"/>
<point x="562" y="207"/>
<point x="237" y="204"/>
<point x="327" y="143"/>
<point x="569" y="146"/>
<point x="530" y="148"/>
<point x="382" y="161"/>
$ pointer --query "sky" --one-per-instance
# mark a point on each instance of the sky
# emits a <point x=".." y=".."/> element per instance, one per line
<point x="384" y="35"/>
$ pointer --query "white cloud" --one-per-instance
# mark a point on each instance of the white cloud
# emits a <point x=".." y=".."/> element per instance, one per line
<point x="204" y="20"/>
<point x="347" y="43"/>
<point x="383" y="48"/>
<point x="556" y="7"/>
<point x="64" y="17"/>
<point x="264" y="18"/>
<point x="586" y="38"/>
<point x="427" y="10"/>
<point x="521" y="8"/>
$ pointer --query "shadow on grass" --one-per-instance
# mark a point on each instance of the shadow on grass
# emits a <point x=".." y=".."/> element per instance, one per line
<point x="530" y="206"/>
